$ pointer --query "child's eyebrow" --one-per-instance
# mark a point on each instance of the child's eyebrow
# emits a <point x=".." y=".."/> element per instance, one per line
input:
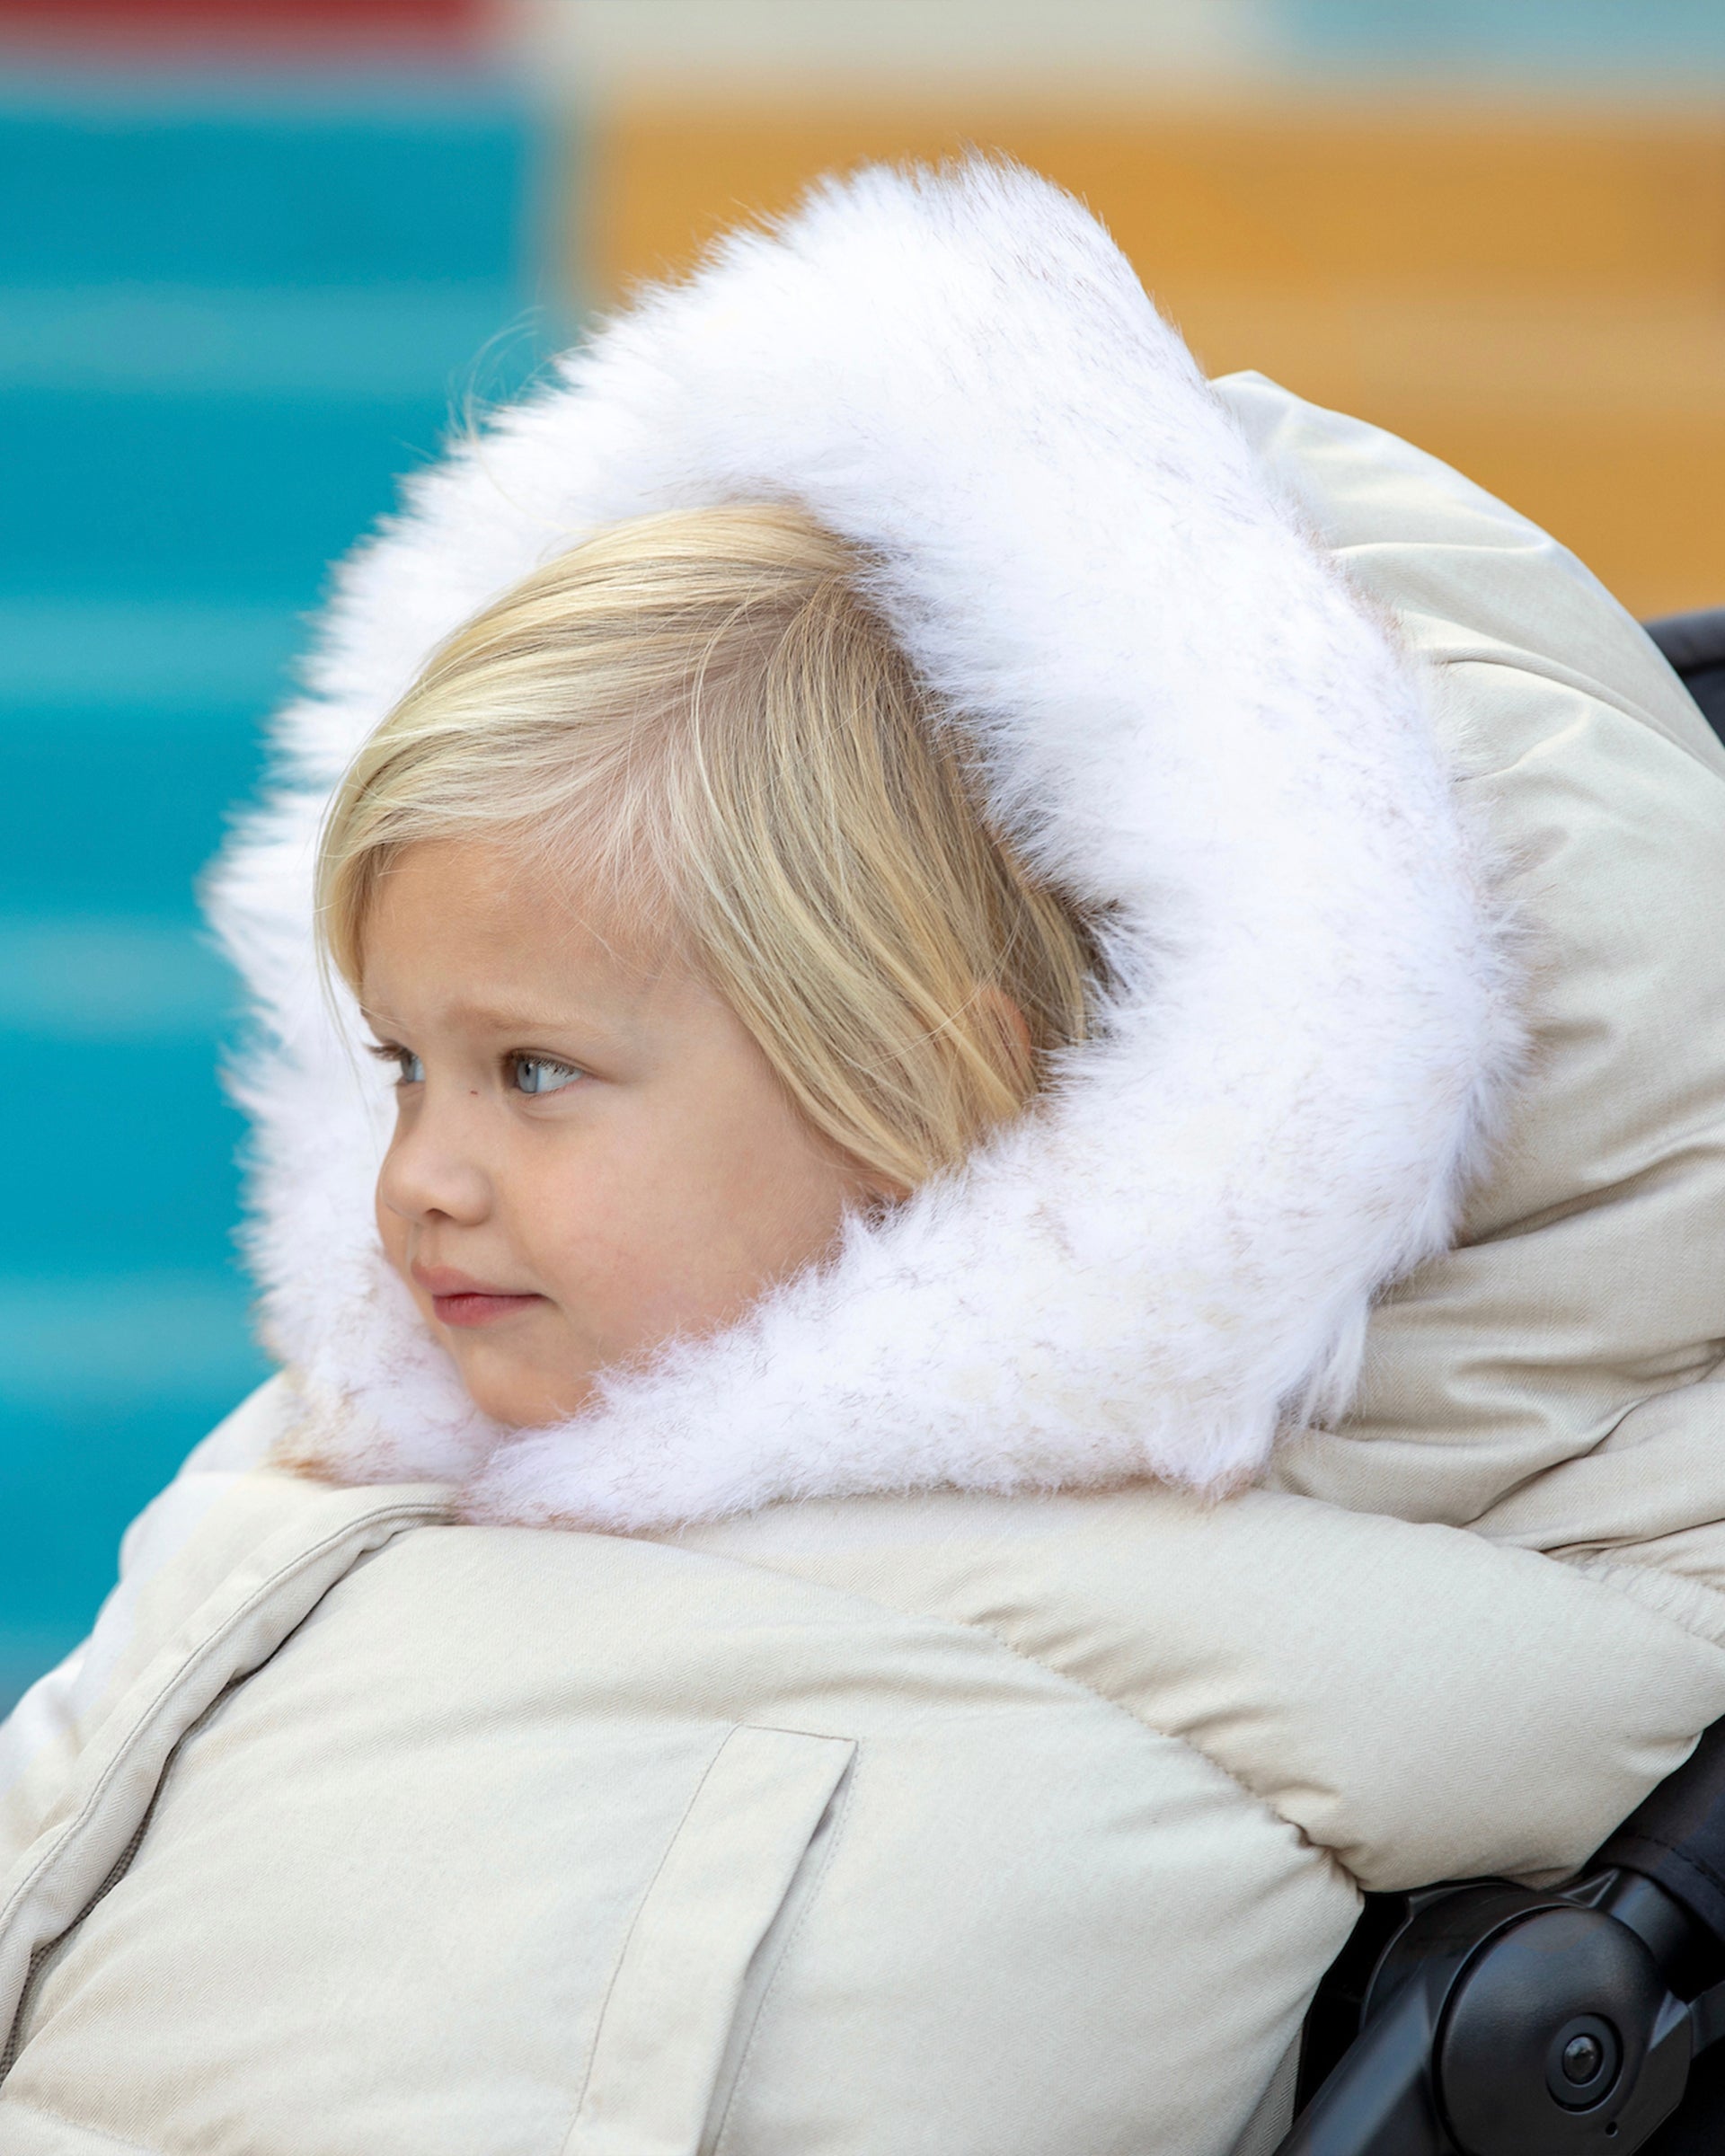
<point x="525" y="1021"/>
<point x="504" y="1017"/>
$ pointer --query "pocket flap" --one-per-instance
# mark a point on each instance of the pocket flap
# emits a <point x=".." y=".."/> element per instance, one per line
<point x="663" y="2034"/>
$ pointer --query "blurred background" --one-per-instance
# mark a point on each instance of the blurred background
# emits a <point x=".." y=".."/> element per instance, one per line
<point x="258" y="256"/>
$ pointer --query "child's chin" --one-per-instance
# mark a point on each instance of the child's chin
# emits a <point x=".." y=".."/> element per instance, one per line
<point x="520" y="1399"/>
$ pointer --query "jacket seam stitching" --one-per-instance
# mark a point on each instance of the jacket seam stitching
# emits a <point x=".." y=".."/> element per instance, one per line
<point x="1138" y="1722"/>
<point x="1598" y="1564"/>
<point x="1174" y="1737"/>
<point x="73" y="2126"/>
<point x="176" y="1680"/>
<point x="1540" y="667"/>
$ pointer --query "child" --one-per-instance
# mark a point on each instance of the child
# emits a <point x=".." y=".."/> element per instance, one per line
<point x="931" y="964"/>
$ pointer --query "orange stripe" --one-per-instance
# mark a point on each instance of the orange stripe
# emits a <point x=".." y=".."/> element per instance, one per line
<point x="1537" y="297"/>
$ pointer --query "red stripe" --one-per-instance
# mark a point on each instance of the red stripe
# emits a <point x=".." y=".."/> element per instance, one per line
<point x="238" y="23"/>
<point x="243" y="15"/>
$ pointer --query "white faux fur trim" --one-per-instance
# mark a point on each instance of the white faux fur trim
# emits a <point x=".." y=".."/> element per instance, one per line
<point x="1184" y="717"/>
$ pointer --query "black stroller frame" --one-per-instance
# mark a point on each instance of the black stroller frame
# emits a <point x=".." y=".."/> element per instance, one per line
<point x="1485" y="2018"/>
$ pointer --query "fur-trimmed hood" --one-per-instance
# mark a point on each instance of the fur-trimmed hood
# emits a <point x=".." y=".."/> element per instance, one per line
<point x="1185" y="718"/>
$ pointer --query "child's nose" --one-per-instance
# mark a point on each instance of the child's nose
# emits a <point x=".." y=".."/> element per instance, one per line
<point x="431" y="1169"/>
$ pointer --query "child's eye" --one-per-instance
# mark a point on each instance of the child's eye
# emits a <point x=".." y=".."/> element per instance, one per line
<point x="408" y="1069"/>
<point x="540" y="1074"/>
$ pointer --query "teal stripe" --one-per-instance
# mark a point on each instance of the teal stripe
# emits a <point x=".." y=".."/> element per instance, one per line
<point x="380" y="98"/>
<point x="1671" y="38"/>
<point x="96" y="656"/>
<point x="85" y="1344"/>
<point x="89" y="983"/>
<point x="211" y="183"/>
<point x="398" y="341"/>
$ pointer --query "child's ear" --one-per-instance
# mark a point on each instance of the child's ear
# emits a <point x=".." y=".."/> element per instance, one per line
<point x="1009" y="1021"/>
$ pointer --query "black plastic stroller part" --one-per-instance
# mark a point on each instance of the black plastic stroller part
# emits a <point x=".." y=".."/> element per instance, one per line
<point x="1693" y="645"/>
<point x="1676" y="1838"/>
<point x="1486" y="2019"/>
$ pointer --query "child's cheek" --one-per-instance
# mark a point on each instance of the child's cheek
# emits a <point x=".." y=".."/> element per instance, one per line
<point x="393" y="1233"/>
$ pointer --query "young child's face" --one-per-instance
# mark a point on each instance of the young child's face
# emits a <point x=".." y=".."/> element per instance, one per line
<point x="591" y="1154"/>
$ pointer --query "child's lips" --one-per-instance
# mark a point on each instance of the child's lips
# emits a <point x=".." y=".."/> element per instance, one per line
<point x="457" y="1299"/>
<point x="471" y="1309"/>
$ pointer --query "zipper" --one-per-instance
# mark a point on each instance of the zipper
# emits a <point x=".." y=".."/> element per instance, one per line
<point x="121" y="1865"/>
<point x="396" y="1517"/>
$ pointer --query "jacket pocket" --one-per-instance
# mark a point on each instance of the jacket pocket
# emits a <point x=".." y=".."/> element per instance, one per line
<point x="693" y="1962"/>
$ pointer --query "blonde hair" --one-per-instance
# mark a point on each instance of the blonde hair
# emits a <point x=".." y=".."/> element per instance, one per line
<point x="703" y="707"/>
